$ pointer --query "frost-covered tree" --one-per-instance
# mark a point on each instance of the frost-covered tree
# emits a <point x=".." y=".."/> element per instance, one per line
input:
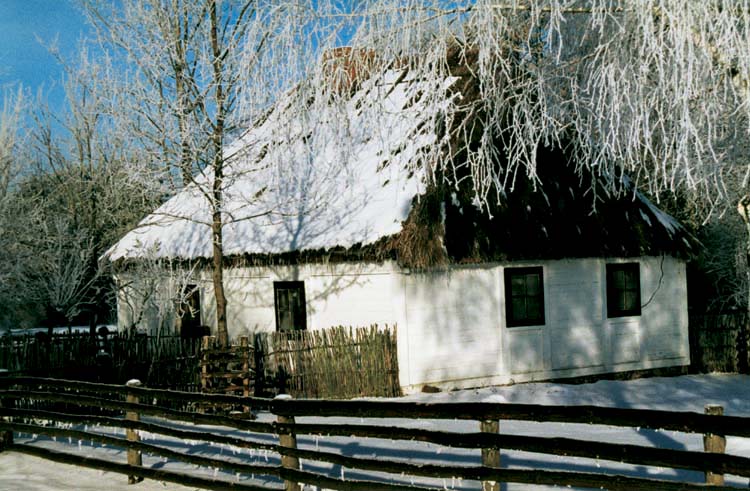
<point x="200" y="71"/>
<point x="184" y="57"/>
<point x="650" y="92"/>
<point x="11" y="265"/>
<point x="67" y="192"/>
<point x="153" y="290"/>
<point x="653" y="89"/>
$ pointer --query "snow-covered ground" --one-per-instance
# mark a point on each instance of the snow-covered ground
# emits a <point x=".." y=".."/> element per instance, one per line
<point x="687" y="393"/>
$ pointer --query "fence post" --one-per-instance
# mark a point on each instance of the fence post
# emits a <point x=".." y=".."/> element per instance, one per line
<point x="288" y="440"/>
<point x="204" y="357"/>
<point x="743" y="339"/>
<point x="245" y="350"/>
<point x="6" y="437"/>
<point x="714" y="444"/>
<point x="134" y="456"/>
<point x="490" y="456"/>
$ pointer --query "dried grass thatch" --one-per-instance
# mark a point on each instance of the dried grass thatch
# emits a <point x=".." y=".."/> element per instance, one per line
<point x="420" y="244"/>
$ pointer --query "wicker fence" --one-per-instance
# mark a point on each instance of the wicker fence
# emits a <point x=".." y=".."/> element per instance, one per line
<point x="336" y="363"/>
<point x="719" y="342"/>
<point x="339" y="362"/>
<point x="174" y="434"/>
<point x="160" y="361"/>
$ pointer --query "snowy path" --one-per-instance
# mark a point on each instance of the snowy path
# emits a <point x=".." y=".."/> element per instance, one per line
<point x="688" y="393"/>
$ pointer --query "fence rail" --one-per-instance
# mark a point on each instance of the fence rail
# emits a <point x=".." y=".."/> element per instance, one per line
<point x="279" y="438"/>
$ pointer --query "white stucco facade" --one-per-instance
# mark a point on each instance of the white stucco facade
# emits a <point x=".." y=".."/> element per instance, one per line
<point x="451" y="324"/>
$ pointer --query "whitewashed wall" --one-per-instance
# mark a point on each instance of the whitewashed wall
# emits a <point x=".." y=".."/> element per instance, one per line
<point x="146" y="303"/>
<point x="451" y="324"/>
<point x="337" y="294"/>
<point x="462" y="339"/>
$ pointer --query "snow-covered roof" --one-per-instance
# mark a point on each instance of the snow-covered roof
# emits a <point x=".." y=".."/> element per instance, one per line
<point x="304" y="179"/>
<point x="344" y="171"/>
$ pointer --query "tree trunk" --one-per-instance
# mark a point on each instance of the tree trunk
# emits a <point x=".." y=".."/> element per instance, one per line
<point x="743" y="357"/>
<point x="183" y="111"/>
<point x="743" y="208"/>
<point x="218" y="158"/>
<point x="218" y="277"/>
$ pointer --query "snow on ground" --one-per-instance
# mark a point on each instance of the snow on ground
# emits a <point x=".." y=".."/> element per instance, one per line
<point x="20" y="472"/>
<point x="687" y="393"/>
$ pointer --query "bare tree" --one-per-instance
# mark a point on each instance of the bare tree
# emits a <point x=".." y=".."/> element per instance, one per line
<point x="71" y="194"/>
<point x="9" y="128"/>
<point x="62" y="267"/>
<point x="653" y="89"/>
<point x="153" y="289"/>
<point x="201" y="70"/>
<point x="11" y="260"/>
<point x="185" y="68"/>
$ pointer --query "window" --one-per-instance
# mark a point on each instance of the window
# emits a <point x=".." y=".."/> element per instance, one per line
<point x="623" y="290"/>
<point x="189" y="312"/>
<point x="524" y="296"/>
<point x="289" y="300"/>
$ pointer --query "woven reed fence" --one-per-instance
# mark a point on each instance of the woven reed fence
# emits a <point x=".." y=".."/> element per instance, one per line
<point x="719" y="342"/>
<point x="161" y="361"/>
<point x="339" y="362"/>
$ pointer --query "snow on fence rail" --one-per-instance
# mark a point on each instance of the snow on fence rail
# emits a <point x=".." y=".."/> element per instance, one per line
<point x="279" y="438"/>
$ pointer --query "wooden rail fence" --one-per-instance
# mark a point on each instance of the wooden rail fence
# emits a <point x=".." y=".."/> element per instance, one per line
<point x="279" y="438"/>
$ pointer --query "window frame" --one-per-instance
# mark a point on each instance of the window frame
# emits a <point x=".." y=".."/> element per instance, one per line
<point x="190" y="311"/>
<point x="508" y="276"/>
<point x="615" y="295"/>
<point x="290" y="285"/>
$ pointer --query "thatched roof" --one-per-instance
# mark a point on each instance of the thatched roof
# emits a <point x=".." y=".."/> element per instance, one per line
<point x="303" y="179"/>
<point x="563" y="219"/>
<point x="305" y="187"/>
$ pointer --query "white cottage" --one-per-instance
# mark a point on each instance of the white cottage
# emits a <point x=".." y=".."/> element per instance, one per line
<point x="330" y="222"/>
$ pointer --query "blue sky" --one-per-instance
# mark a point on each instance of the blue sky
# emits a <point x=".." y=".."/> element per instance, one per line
<point x="23" y="59"/>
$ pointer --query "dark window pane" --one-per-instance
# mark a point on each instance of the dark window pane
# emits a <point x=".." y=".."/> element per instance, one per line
<point x="623" y="290"/>
<point x="524" y="296"/>
<point x="629" y="280"/>
<point x="628" y="300"/>
<point x="618" y="280"/>
<point x="619" y="302"/>
<point x="532" y="284"/>
<point x="519" y="309"/>
<point x="533" y="308"/>
<point x="290" y="305"/>
<point x="519" y="284"/>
